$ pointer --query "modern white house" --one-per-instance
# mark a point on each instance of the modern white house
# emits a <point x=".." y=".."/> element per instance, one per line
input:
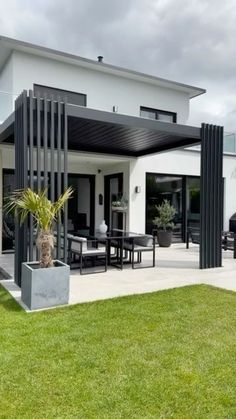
<point x="144" y="176"/>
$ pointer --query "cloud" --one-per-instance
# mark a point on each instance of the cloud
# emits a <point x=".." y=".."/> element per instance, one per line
<point x="191" y="41"/>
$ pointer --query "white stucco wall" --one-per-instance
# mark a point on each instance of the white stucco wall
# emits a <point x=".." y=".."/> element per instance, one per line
<point x="179" y="162"/>
<point x="103" y="90"/>
<point x="6" y="90"/>
<point x="82" y="164"/>
<point x="229" y="172"/>
<point x="175" y="162"/>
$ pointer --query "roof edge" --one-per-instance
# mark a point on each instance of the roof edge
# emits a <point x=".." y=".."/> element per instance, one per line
<point x="18" y="44"/>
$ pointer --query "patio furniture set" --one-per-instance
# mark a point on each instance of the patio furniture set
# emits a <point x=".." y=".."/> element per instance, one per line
<point x="114" y="248"/>
<point x="228" y="239"/>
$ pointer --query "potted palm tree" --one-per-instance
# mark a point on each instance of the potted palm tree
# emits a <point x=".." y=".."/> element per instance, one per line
<point x="44" y="283"/>
<point x="164" y="223"/>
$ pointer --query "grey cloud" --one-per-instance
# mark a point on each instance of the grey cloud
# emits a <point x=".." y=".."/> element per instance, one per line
<point x="191" y="41"/>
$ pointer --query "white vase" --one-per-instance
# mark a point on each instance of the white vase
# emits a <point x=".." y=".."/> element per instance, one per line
<point x="103" y="227"/>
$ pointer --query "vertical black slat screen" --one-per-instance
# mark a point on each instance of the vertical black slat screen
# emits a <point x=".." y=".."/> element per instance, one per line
<point x="214" y="201"/>
<point x="58" y="145"/>
<point x="36" y="129"/>
<point x="45" y="144"/>
<point x="184" y="210"/>
<point x="65" y="179"/>
<point x="25" y="163"/>
<point x="220" y="188"/>
<point x="38" y="125"/>
<point x="17" y="134"/>
<point x="21" y="170"/>
<point x="52" y="145"/>
<point x="211" y="196"/>
<point x="31" y="168"/>
<point x="38" y="142"/>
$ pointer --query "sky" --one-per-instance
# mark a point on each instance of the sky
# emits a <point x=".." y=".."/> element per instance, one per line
<point x="189" y="41"/>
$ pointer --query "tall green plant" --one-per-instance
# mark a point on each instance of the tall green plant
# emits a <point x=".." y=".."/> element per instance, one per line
<point x="44" y="212"/>
<point x="166" y="213"/>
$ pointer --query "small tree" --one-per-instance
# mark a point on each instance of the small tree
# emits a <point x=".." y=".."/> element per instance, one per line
<point x="166" y="213"/>
<point x="24" y="202"/>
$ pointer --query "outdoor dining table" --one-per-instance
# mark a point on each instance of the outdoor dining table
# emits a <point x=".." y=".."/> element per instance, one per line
<point x="116" y="238"/>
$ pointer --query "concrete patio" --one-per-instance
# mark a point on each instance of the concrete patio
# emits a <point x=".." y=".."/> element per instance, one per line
<point x="175" y="267"/>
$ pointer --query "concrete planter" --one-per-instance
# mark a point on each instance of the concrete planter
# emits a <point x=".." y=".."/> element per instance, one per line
<point x="164" y="238"/>
<point x="45" y="287"/>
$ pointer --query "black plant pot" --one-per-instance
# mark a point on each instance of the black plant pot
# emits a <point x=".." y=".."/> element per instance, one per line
<point x="164" y="238"/>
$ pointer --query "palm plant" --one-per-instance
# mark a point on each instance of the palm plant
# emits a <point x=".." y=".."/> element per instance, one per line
<point x="44" y="212"/>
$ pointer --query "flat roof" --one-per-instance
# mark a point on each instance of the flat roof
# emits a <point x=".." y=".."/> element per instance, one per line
<point x="7" y="45"/>
<point x="106" y="132"/>
<point x="103" y="132"/>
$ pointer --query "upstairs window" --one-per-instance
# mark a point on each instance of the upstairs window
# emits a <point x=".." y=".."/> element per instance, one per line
<point x="163" y="116"/>
<point x="58" y="94"/>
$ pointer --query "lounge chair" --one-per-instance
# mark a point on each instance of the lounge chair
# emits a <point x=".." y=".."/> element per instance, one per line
<point x="137" y="246"/>
<point x="86" y="249"/>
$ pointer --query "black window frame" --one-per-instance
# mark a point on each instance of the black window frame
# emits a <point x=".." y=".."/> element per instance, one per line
<point x="62" y="91"/>
<point x="159" y="111"/>
<point x="184" y="200"/>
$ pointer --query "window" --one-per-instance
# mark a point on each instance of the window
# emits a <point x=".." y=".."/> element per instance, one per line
<point x="162" y="116"/>
<point x="158" y="188"/>
<point x="64" y="95"/>
<point x="183" y="192"/>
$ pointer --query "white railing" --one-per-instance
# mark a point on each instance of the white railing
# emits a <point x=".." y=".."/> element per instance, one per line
<point x="229" y="144"/>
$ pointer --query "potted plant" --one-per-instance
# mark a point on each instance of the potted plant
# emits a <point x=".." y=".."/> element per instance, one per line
<point x="164" y="223"/>
<point x="44" y="283"/>
<point x="121" y="204"/>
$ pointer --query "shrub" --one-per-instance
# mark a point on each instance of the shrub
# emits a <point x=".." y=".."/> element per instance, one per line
<point x="166" y="213"/>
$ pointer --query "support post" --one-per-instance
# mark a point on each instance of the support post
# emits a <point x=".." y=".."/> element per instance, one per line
<point x="211" y="196"/>
<point x="21" y="178"/>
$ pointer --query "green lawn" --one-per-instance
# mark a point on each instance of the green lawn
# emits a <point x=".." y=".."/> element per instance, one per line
<point x="170" y="354"/>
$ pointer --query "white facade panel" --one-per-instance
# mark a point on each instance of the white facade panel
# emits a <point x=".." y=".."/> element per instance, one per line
<point x="103" y="90"/>
<point x="229" y="172"/>
<point x="178" y="162"/>
<point x="6" y="90"/>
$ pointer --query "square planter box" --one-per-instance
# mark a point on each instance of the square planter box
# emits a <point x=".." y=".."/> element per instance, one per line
<point x="45" y="287"/>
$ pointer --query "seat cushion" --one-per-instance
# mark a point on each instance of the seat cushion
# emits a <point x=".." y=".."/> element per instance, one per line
<point x="137" y="248"/>
<point x="145" y="241"/>
<point x="94" y="252"/>
<point x="76" y="244"/>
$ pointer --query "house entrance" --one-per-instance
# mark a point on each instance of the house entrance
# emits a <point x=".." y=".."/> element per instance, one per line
<point x="81" y="207"/>
<point x="113" y="191"/>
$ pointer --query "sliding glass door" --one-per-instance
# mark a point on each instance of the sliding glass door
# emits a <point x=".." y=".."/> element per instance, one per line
<point x="193" y="201"/>
<point x="8" y="222"/>
<point x="81" y="207"/>
<point x="183" y="192"/>
<point x="159" y="188"/>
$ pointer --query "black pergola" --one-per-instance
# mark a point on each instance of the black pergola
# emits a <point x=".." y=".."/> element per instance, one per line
<point x="50" y="128"/>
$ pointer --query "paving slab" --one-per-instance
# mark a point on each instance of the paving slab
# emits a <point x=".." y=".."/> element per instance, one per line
<point x="175" y="267"/>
